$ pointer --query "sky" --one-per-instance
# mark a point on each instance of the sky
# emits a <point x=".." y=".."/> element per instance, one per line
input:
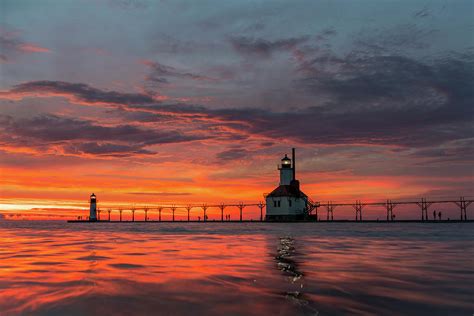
<point x="148" y="102"/>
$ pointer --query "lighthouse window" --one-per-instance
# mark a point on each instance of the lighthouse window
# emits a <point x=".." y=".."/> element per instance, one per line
<point x="278" y="203"/>
<point x="274" y="203"/>
<point x="289" y="202"/>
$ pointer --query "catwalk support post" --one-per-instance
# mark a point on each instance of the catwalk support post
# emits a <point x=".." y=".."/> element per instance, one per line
<point x="261" y="206"/>
<point x="204" y="209"/>
<point x="222" y="207"/>
<point x="188" y="209"/>
<point x="358" y="208"/>
<point x="241" y="207"/>
<point x="424" y="205"/>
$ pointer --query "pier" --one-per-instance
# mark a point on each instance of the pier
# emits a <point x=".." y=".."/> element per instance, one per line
<point x="154" y="213"/>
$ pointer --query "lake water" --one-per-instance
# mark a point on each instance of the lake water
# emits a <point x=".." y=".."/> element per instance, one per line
<point x="56" y="268"/>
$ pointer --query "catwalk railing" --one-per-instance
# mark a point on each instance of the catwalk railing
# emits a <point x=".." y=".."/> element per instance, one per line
<point x="389" y="205"/>
<point x="314" y="209"/>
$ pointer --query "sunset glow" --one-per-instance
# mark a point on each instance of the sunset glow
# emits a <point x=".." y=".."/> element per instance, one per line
<point x="236" y="157"/>
<point x="193" y="106"/>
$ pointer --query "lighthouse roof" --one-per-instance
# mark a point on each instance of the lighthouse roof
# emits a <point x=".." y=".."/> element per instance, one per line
<point x="287" y="190"/>
<point x="286" y="158"/>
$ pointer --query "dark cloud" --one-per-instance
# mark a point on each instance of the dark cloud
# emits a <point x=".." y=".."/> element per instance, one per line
<point x="455" y="151"/>
<point x="107" y="149"/>
<point x="391" y="100"/>
<point x="82" y="92"/>
<point x="161" y="70"/>
<point x="160" y="74"/>
<point x="391" y="82"/>
<point x="144" y="117"/>
<point x="368" y="99"/>
<point x="267" y="144"/>
<point x="371" y="78"/>
<point x="397" y="39"/>
<point x="11" y="46"/>
<point x="423" y="13"/>
<point x="320" y="125"/>
<point x="262" y="47"/>
<point x="75" y="137"/>
<point x="325" y="34"/>
<point x="233" y="154"/>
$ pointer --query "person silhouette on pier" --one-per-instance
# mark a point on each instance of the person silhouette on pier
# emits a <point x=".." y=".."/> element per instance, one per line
<point x="199" y="218"/>
<point x="439" y="215"/>
<point x="434" y="215"/>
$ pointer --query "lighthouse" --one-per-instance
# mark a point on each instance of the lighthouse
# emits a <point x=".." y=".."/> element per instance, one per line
<point x="287" y="202"/>
<point x="93" y="208"/>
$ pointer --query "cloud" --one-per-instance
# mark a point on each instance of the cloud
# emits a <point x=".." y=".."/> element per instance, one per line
<point x="32" y="48"/>
<point x="77" y="92"/>
<point x="455" y="151"/>
<point x="439" y="89"/>
<point x="390" y="100"/>
<point x="325" y="34"/>
<point x="161" y="70"/>
<point x="160" y="74"/>
<point x="12" y="46"/>
<point x="129" y="4"/>
<point x="161" y="193"/>
<point x="371" y="78"/>
<point x="396" y="39"/>
<point x="264" y="48"/>
<point x="232" y="154"/>
<point x="105" y="149"/>
<point x="423" y="13"/>
<point x="67" y="136"/>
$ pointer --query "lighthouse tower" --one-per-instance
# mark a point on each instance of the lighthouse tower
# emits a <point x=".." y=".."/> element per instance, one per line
<point x="286" y="171"/>
<point x="93" y="208"/>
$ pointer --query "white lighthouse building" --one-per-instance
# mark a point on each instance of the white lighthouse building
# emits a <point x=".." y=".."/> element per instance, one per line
<point x="93" y="208"/>
<point x="287" y="202"/>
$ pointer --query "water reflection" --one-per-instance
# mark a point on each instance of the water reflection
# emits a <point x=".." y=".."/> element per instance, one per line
<point x="178" y="269"/>
<point x="289" y="266"/>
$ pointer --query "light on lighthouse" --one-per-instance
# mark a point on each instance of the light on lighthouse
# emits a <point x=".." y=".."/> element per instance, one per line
<point x="286" y="162"/>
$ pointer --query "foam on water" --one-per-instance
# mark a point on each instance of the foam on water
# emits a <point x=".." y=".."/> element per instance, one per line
<point x="55" y="268"/>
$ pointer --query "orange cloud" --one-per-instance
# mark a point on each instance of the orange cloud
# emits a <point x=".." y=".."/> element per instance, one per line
<point x="32" y="48"/>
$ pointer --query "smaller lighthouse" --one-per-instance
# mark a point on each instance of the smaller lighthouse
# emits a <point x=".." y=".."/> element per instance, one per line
<point x="93" y="208"/>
